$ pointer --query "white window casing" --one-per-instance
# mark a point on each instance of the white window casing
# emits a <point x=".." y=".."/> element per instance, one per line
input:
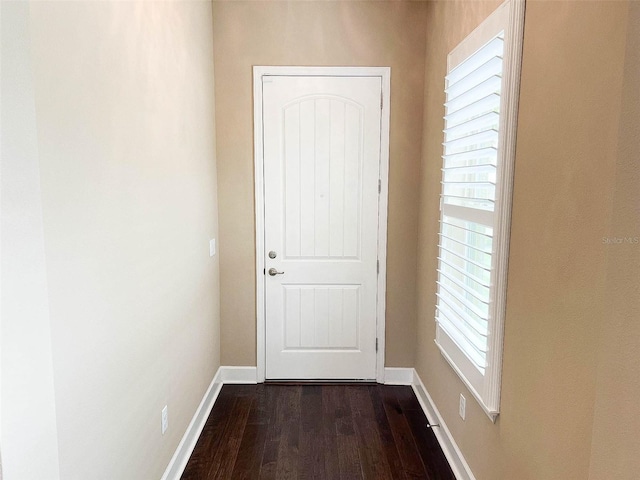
<point x="482" y="87"/>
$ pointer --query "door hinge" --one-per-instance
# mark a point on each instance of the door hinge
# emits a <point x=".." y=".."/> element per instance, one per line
<point x="379" y="186"/>
<point x="264" y="271"/>
<point x="381" y="100"/>
<point x="378" y="266"/>
<point x="376" y="344"/>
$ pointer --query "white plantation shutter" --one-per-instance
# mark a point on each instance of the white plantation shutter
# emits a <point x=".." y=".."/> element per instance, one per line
<point x="468" y="193"/>
<point x="475" y="203"/>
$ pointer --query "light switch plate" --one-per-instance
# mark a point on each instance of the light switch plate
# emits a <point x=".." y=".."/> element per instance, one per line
<point x="212" y="247"/>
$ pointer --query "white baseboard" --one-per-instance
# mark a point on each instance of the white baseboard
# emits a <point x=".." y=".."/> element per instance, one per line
<point x="239" y="374"/>
<point x="458" y="464"/>
<point x="190" y="438"/>
<point x="398" y="376"/>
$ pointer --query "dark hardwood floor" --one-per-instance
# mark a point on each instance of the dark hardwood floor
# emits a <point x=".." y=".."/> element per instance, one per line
<point x="317" y="431"/>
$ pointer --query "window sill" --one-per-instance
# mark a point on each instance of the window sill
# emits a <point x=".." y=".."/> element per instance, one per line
<point x="492" y="413"/>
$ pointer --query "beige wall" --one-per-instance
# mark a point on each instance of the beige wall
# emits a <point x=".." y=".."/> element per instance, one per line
<point x="122" y="168"/>
<point x="615" y="439"/>
<point x="315" y="33"/>
<point x="558" y="291"/>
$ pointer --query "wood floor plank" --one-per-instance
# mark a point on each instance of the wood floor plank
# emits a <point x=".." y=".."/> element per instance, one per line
<point x="349" y="464"/>
<point x="261" y="410"/>
<point x="434" y="460"/>
<point x="210" y="439"/>
<point x="330" y="410"/>
<point x="293" y="431"/>
<point x="311" y="455"/>
<point x="402" y="436"/>
<point x="288" y="415"/>
<point x="249" y="458"/>
<point x="269" y="459"/>
<point x="272" y="442"/>
<point x="225" y="457"/>
<point x="386" y="435"/>
<point x="406" y="398"/>
<point x="372" y="457"/>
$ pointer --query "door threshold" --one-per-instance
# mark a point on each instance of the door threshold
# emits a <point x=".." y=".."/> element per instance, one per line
<point x="323" y="382"/>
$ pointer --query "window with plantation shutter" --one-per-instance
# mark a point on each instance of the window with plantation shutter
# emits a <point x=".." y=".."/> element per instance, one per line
<point x="481" y="89"/>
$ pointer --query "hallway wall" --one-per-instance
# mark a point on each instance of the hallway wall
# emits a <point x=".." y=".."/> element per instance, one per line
<point x="615" y="441"/>
<point x="315" y="33"/>
<point x="561" y="279"/>
<point x="110" y="308"/>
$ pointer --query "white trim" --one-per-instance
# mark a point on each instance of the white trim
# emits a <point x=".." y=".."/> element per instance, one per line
<point x="504" y="198"/>
<point x="398" y="376"/>
<point x="383" y="204"/>
<point x="385" y="74"/>
<point x="450" y="448"/>
<point x="508" y="17"/>
<point x="492" y="414"/>
<point x="322" y="71"/>
<point x="258" y="146"/>
<point x="178" y="462"/>
<point x="246" y="375"/>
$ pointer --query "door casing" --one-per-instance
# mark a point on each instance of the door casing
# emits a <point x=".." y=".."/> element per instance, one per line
<point x="258" y="73"/>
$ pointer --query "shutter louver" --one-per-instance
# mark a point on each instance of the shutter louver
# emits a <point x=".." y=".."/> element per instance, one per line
<point x="472" y="117"/>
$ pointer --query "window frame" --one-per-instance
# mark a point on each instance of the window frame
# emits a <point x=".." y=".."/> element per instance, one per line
<point x="507" y="18"/>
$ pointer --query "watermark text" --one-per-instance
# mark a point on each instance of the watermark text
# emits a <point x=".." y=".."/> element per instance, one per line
<point x="620" y="240"/>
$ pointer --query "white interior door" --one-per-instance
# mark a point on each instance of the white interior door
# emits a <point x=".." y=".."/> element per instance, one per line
<point x="322" y="142"/>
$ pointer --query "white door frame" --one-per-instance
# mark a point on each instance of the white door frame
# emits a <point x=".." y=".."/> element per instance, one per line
<point x="258" y="73"/>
